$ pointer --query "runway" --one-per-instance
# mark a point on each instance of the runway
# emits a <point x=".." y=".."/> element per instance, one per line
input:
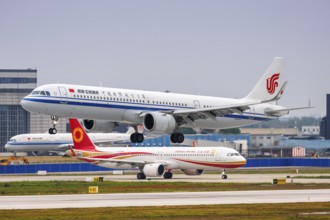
<point x="161" y="199"/>
<point x="216" y="178"/>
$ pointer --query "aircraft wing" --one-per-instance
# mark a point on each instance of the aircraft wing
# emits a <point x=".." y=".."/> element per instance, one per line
<point x="190" y="115"/>
<point x="184" y="116"/>
<point x="124" y="161"/>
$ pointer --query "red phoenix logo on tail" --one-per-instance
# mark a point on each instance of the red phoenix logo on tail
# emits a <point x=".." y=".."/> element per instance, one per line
<point x="272" y="83"/>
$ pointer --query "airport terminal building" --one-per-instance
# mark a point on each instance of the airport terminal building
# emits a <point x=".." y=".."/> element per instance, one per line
<point x="14" y="85"/>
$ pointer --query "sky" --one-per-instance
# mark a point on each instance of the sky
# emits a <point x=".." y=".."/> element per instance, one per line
<point x="215" y="48"/>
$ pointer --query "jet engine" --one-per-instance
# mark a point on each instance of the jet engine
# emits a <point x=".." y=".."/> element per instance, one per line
<point x="153" y="170"/>
<point x="98" y="125"/>
<point x="159" y="122"/>
<point x="193" y="172"/>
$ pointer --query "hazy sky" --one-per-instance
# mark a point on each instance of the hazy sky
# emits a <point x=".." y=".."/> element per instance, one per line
<point x="217" y="48"/>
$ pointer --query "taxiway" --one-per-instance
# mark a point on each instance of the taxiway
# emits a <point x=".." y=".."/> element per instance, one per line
<point x="232" y="178"/>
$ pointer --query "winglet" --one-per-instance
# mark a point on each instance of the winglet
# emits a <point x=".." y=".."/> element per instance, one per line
<point x="80" y="138"/>
<point x="271" y="84"/>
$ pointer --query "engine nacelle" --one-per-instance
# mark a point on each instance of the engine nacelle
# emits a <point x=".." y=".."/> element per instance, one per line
<point x="153" y="170"/>
<point x="159" y="122"/>
<point x="98" y="125"/>
<point x="193" y="172"/>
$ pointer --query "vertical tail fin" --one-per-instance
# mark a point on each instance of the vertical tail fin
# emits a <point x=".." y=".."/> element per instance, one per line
<point x="271" y="85"/>
<point x="80" y="138"/>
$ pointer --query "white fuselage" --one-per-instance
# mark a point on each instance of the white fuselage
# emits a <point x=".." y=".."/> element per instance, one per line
<point x="127" y="106"/>
<point x="46" y="142"/>
<point x="205" y="158"/>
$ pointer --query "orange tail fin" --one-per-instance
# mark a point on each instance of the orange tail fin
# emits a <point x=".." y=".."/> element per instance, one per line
<point x="80" y="138"/>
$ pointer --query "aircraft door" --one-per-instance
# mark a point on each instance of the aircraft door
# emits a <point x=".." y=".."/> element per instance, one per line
<point x="63" y="95"/>
<point x="197" y="104"/>
<point x="217" y="156"/>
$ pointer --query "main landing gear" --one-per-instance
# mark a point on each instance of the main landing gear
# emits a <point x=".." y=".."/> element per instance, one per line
<point x="142" y="176"/>
<point x="53" y="130"/>
<point x="137" y="137"/>
<point x="223" y="176"/>
<point x="177" y="137"/>
<point x="168" y="175"/>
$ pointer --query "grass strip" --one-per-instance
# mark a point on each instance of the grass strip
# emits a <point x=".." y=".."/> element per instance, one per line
<point x="79" y="187"/>
<point x="224" y="212"/>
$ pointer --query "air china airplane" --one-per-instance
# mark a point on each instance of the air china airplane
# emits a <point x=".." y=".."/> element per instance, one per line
<point x="58" y="143"/>
<point x="153" y="161"/>
<point x="159" y="112"/>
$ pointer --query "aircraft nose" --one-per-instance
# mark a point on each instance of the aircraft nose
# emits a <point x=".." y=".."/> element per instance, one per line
<point x="243" y="160"/>
<point x="8" y="147"/>
<point x="26" y="104"/>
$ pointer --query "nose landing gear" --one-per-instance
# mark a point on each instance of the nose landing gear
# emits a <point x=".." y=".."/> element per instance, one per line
<point x="224" y="175"/>
<point x="53" y="130"/>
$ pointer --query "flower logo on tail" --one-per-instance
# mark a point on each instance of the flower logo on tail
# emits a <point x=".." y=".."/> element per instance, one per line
<point x="78" y="135"/>
<point x="272" y="83"/>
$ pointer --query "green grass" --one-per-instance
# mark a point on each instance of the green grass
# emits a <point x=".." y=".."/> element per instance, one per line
<point x="224" y="212"/>
<point x="312" y="177"/>
<point x="78" y="187"/>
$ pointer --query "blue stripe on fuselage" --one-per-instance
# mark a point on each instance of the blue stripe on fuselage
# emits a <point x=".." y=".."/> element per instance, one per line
<point x="149" y="107"/>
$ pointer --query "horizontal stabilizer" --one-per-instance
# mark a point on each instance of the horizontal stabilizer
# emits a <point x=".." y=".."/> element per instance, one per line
<point x="285" y="110"/>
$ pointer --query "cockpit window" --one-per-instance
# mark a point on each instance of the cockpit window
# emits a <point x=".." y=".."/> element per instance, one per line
<point x="35" y="93"/>
<point x="12" y="140"/>
<point x="44" y="93"/>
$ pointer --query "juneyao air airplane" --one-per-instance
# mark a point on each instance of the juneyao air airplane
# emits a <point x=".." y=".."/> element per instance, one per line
<point x="153" y="161"/>
<point x="59" y="143"/>
<point x="159" y="112"/>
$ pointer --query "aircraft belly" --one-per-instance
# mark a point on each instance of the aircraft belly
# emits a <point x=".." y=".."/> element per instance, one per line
<point x="97" y="113"/>
<point x="31" y="147"/>
<point x="112" y="165"/>
<point x="222" y="122"/>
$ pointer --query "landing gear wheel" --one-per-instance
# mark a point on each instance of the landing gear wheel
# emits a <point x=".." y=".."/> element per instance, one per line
<point x="137" y="137"/>
<point x="52" y="130"/>
<point x="177" y="137"/>
<point x="54" y="121"/>
<point x="133" y="138"/>
<point x="140" y="138"/>
<point x="180" y="137"/>
<point x="174" y="138"/>
<point x="141" y="176"/>
<point x="224" y="176"/>
<point x="168" y="175"/>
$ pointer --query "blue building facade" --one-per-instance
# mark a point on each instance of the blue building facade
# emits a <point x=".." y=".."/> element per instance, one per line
<point x="14" y="85"/>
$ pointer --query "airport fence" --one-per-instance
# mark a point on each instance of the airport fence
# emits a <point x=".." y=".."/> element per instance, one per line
<point x="287" y="162"/>
<point x="85" y="167"/>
